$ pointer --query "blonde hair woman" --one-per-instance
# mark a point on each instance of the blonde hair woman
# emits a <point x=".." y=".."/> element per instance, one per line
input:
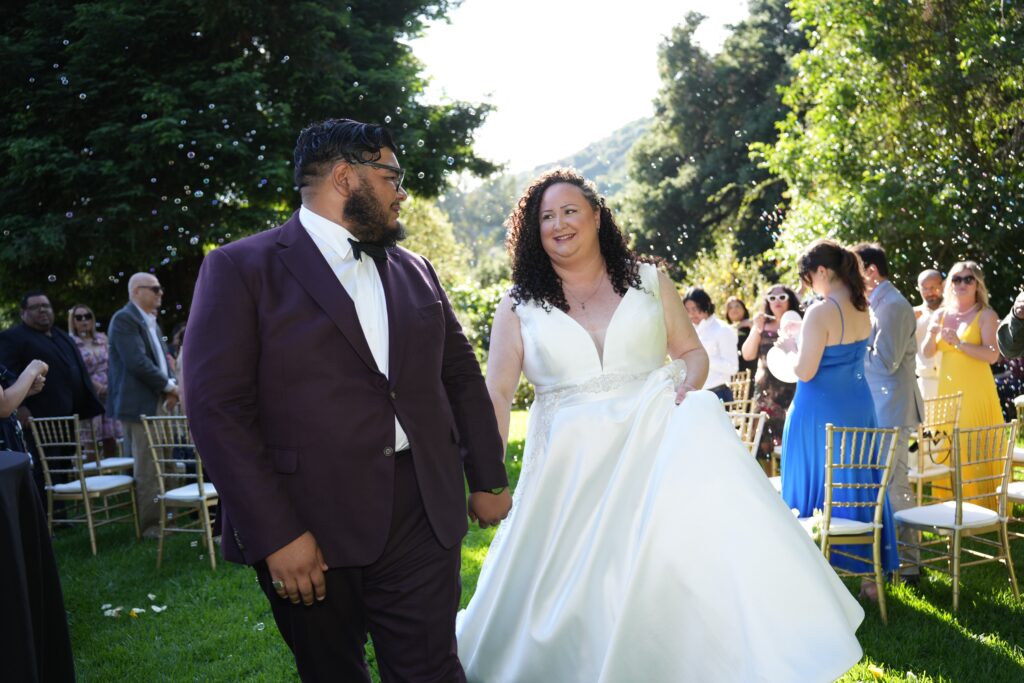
<point x="92" y="346"/>
<point x="963" y="329"/>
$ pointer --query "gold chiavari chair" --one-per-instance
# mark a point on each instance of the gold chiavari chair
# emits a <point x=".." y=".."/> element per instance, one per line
<point x="742" y="406"/>
<point x="749" y="427"/>
<point x="1015" y="487"/>
<point x="981" y="458"/>
<point x="182" y="487"/>
<point x="740" y="385"/>
<point x="93" y="461"/>
<point x="856" y="460"/>
<point x="92" y="498"/>
<point x="931" y="462"/>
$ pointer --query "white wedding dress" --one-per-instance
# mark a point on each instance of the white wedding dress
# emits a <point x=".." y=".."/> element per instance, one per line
<point x="644" y="543"/>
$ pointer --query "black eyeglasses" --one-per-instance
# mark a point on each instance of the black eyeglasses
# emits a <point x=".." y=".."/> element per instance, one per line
<point x="397" y="182"/>
<point x="39" y="307"/>
<point x="156" y="289"/>
<point x="82" y="317"/>
<point x="965" y="279"/>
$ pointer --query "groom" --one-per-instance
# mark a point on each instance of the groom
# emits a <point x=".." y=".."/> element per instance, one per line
<point x="337" y="405"/>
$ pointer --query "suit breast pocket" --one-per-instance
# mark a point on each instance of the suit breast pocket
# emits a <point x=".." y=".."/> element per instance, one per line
<point x="430" y="311"/>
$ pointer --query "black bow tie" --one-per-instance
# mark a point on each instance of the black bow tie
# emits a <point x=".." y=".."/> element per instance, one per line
<point x="375" y="251"/>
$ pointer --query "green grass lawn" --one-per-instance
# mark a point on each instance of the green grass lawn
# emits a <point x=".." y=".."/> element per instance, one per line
<point x="218" y="625"/>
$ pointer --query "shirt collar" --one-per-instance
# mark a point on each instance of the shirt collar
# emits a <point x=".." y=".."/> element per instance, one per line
<point x="332" y="234"/>
<point x="877" y="291"/>
<point x="150" y="317"/>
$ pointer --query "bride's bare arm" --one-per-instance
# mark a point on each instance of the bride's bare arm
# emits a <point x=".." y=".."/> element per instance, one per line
<point x="683" y="343"/>
<point x="504" y="363"/>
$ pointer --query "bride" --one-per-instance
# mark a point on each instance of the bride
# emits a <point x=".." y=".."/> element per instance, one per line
<point x="642" y="533"/>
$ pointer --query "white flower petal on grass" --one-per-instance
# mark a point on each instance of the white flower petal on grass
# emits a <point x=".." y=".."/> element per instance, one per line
<point x="151" y="596"/>
<point x="158" y="608"/>
<point x="106" y="606"/>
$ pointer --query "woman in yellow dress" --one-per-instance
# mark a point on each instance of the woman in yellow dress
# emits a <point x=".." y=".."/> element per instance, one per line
<point x="964" y="330"/>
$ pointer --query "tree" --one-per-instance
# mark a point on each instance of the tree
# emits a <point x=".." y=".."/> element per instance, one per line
<point x="141" y="134"/>
<point x="431" y="234"/>
<point x="692" y="172"/>
<point x="907" y="127"/>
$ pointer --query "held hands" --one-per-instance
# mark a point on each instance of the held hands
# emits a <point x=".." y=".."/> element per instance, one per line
<point x="950" y="337"/>
<point x="297" y="570"/>
<point x="171" y="399"/>
<point x="488" y="509"/>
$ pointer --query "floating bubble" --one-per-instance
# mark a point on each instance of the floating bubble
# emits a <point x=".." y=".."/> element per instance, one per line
<point x="194" y="240"/>
<point x="387" y="119"/>
<point x="191" y="155"/>
<point x="82" y="95"/>
<point x="51" y="278"/>
<point x="69" y="214"/>
<point x="421" y="175"/>
<point x="420" y="143"/>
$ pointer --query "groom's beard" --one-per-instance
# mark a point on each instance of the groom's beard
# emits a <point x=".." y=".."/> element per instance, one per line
<point x="369" y="221"/>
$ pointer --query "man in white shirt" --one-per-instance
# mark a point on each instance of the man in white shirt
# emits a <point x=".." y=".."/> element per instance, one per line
<point x="719" y="341"/>
<point x="929" y="284"/>
<point x="140" y="383"/>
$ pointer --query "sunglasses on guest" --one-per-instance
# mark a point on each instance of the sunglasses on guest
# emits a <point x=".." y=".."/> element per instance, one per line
<point x="965" y="279"/>
<point x="156" y="289"/>
<point x="82" y="317"/>
<point x="776" y="297"/>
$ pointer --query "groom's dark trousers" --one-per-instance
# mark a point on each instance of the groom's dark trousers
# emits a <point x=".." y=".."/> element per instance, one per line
<point x="296" y="426"/>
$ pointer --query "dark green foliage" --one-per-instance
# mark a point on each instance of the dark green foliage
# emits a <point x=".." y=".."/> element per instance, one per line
<point x="907" y="126"/>
<point x="139" y="135"/>
<point x="692" y="172"/>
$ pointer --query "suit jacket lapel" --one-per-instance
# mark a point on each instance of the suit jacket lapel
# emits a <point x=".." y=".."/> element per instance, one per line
<point x="134" y="312"/>
<point x="397" y="313"/>
<point x="303" y="259"/>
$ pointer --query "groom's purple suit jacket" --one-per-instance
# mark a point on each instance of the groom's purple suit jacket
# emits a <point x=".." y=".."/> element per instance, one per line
<point x="295" y="423"/>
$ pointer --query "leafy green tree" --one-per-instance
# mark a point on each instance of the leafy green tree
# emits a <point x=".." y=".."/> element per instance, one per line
<point x="139" y="135"/>
<point x="907" y="127"/>
<point x="693" y="175"/>
<point x="430" y="233"/>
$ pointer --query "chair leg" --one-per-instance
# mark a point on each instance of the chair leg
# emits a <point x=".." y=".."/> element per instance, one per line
<point x="879" y="578"/>
<point x="208" y="532"/>
<point x="49" y="512"/>
<point x="88" y="521"/>
<point x="1005" y="536"/>
<point x="956" y="570"/>
<point x="135" y="513"/>
<point x="160" y="541"/>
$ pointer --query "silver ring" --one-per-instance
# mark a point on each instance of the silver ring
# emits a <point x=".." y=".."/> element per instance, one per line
<point x="278" y="584"/>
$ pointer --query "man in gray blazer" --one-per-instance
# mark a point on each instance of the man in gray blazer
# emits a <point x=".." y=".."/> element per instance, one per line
<point x="1010" y="335"/>
<point x="140" y="380"/>
<point x="889" y="369"/>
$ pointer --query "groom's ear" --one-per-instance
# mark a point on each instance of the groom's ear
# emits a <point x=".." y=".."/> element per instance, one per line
<point x="341" y="178"/>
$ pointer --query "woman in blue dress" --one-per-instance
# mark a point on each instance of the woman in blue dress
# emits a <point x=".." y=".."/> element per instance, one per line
<point x="831" y="388"/>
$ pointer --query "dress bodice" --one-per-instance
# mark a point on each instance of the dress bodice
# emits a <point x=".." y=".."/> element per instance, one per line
<point x="557" y="350"/>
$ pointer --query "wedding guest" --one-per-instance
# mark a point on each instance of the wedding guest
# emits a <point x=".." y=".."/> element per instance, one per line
<point x="929" y="285"/>
<point x="718" y="339"/>
<point x="963" y="329"/>
<point x="889" y="368"/>
<point x="1010" y="334"/>
<point x="13" y="390"/>
<point x="737" y="315"/>
<point x="92" y="346"/>
<point x="832" y="389"/>
<point x="771" y="395"/>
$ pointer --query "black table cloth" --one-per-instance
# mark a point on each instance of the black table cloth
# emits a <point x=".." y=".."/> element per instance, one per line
<point x="34" y="641"/>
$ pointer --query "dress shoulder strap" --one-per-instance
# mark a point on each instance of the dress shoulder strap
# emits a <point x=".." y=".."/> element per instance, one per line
<point x="842" y="322"/>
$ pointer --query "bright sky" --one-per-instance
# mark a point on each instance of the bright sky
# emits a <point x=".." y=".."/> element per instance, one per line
<point x="562" y="73"/>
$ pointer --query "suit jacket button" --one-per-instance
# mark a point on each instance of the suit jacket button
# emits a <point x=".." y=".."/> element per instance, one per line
<point x="389" y="451"/>
<point x="238" y="540"/>
<point x="394" y="395"/>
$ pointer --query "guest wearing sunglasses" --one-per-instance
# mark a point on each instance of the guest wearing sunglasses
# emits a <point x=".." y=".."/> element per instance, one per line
<point x="141" y="383"/>
<point x="963" y="329"/>
<point x="771" y="395"/>
<point x="92" y="346"/>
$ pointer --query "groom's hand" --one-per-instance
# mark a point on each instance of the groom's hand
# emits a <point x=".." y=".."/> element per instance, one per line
<point x="299" y="567"/>
<point x="487" y="508"/>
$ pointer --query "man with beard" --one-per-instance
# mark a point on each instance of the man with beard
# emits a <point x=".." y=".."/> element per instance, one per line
<point x="929" y="284"/>
<point x="337" y="405"/>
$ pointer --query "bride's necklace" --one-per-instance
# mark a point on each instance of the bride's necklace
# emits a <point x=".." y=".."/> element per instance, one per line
<point x="583" y="301"/>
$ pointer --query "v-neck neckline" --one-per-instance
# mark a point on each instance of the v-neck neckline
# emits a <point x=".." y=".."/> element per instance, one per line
<point x="607" y="329"/>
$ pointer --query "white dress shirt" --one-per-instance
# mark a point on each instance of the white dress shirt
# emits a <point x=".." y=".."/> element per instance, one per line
<point x="720" y="341"/>
<point x="154" y="336"/>
<point x="362" y="282"/>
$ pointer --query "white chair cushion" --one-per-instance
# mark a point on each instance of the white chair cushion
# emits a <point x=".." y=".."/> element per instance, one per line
<point x="191" y="492"/>
<point x="1018" y="454"/>
<point x="840" y="526"/>
<point x="103" y="482"/>
<point x="942" y="515"/>
<point x="109" y="463"/>
<point x="776" y="483"/>
<point x="931" y="471"/>
<point x="1014" y="492"/>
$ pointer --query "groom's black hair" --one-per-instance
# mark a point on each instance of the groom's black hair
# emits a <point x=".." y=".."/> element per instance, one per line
<point x="700" y="299"/>
<point x="322" y="144"/>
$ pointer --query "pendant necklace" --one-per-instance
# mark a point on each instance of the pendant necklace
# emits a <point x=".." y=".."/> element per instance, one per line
<point x="583" y="302"/>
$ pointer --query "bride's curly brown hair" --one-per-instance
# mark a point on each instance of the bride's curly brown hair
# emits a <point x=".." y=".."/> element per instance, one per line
<point x="533" y="277"/>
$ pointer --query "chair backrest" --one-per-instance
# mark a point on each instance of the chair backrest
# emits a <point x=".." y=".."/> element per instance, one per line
<point x="739" y="407"/>
<point x="935" y="433"/>
<point x="175" y="454"/>
<point x="59" y="445"/>
<point x="740" y="385"/>
<point x="983" y="458"/>
<point x="749" y="427"/>
<point x="851" y="453"/>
